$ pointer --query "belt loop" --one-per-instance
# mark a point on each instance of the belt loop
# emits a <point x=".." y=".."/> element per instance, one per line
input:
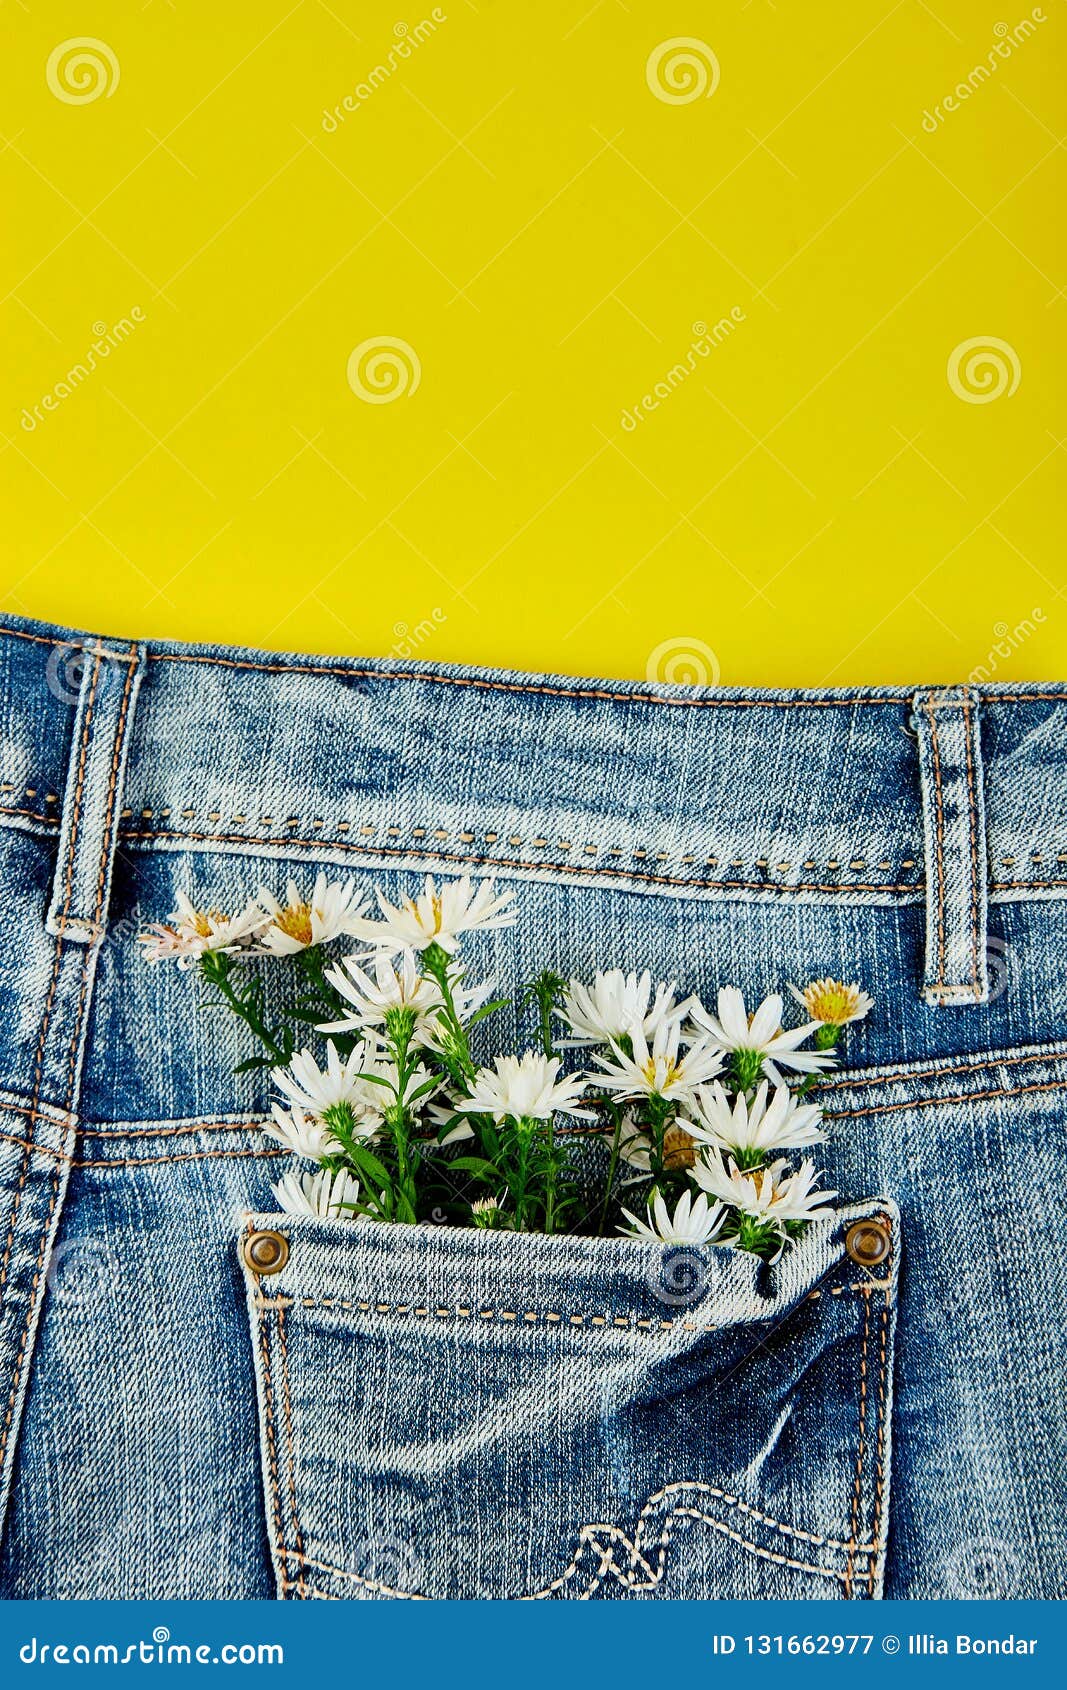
<point x="107" y="679"/>
<point x="950" y="772"/>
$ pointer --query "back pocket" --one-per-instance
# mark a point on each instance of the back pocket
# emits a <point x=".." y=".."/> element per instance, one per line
<point x="459" y="1413"/>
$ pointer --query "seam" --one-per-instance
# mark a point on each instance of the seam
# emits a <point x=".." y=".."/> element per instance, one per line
<point x="973" y="1067"/>
<point x="287" y="1400"/>
<point x="1027" y="885"/>
<point x="938" y="843"/>
<point x="47" y="1016"/>
<point x="880" y="1447"/>
<point x="418" y="850"/>
<point x="531" y="1317"/>
<point x="272" y="1451"/>
<point x="131" y="1131"/>
<point x="57" y="1172"/>
<point x="972" y="830"/>
<point x="857" y="1482"/>
<point x="130" y="1161"/>
<point x="31" y="815"/>
<point x="968" y="1097"/>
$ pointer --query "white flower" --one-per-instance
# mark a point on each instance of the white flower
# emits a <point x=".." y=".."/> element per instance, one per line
<point x="635" y="1143"/>
<point x="760" y="1035"/>
<point x="833" y="1004"/>
<point x="331" y="910"/>
<point x="316" y="1091"/>
<point x="438" y="917"/>
<point x="322" y="1194"/>
<point x="613" y="1006"/>
<point x="693" y="1221"/>
<point x="302" y="1134"/>
<point x="195" y="932"/>
<point x="750" y="1128"/>
<point x="402" y="987"/>
<point x="661" y="1071"/>
<point x="769" y="1193"/>
<point x="525" y="1087"/>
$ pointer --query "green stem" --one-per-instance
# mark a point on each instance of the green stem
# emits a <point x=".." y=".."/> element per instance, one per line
<point x="215" y="969"/>
<point x="435" y="961"/>
<point x="613" y="1166"/>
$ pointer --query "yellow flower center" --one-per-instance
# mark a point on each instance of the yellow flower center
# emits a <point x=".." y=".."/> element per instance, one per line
<point x="831" y="1002"/>
<point x="435" y="905"/>
<point x="295" y="922"/>
<point x="679" y="1150"/>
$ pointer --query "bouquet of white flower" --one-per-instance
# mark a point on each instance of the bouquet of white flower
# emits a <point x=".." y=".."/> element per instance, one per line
<point x="697" y="1112"/>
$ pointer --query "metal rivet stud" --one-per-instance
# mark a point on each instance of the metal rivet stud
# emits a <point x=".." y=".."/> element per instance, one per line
<point x="868" y="1242"/>
<point x="266" y="1252"/>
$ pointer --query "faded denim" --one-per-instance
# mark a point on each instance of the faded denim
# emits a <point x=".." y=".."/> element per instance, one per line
<point x="437" y="1413"/>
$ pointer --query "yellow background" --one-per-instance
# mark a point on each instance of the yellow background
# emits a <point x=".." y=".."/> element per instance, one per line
<point x="813" y="504"/>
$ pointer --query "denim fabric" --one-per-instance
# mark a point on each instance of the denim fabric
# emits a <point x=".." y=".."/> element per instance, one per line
<point x="430" y="1412"/>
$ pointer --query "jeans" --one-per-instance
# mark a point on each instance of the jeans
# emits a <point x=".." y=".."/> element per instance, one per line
<point x="431" y="1412"/>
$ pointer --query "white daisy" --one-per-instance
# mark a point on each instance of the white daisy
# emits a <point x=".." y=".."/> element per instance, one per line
<point x="694" y="1221"/>
<point x="316" y="1091"/>
<point x="635" y="1142"/>
<point x="486" y="1212"/>
<point x="302" y="1134"/>
<point x="750" y="1128"/>
<point x="833" y="1004"/>
<point x="191" y="933"/>
<point x="400" y="987"/>
<point x="321" y="1194"/>
<point x="526" y="1087"/>
<point x="770" y="1193"/>
<point x="332" y="910"/>
<point x="660" y="1071"/>
<point x="438" y="917"/>
<point x="759" y="1042"/>
<point x="612" y="1006"/>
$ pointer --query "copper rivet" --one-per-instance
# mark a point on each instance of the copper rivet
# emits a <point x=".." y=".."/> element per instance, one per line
<point x="266" y="1252"/>
<point x="868" y="1242"/>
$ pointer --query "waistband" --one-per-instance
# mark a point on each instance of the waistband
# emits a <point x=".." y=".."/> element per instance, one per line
<point x="685" y="791"/>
